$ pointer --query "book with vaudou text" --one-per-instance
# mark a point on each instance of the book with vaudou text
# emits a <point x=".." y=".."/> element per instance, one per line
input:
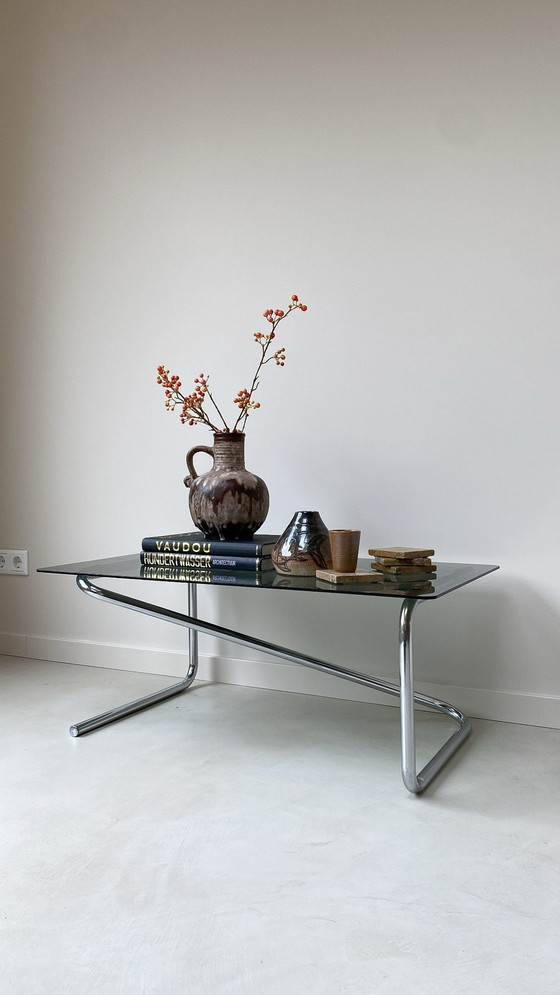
<point x="197" y="543"/>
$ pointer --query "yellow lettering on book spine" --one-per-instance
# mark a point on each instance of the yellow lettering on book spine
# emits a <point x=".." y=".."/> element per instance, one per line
<point x="177" y="560"/>
<point x="182" y="547"/>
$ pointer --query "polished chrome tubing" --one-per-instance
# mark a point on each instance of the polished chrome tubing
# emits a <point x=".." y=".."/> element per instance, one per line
<point x="210" y="628"/>
<point x="405" y="691"/>
<point x="192" y="610"/>
<point x="104" y="718"/>
<point x="413" y="781"/>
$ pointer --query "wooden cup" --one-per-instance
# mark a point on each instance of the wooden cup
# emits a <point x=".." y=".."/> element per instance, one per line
<point x="345" y="544"/>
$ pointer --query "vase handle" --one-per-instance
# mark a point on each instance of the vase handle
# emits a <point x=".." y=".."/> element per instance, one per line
<point x="192" y="475"/>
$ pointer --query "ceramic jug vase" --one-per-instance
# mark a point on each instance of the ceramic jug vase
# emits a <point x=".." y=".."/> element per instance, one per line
<point x="227" y="502"/>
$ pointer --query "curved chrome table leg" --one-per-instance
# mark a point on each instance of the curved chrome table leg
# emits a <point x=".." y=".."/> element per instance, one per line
<point x="413" y="781"/>
<point x="405" y="690"/>
<point x="88" y="725"/>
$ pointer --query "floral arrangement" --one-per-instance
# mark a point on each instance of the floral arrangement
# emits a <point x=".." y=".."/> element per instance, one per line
<point x="194" y="407"/>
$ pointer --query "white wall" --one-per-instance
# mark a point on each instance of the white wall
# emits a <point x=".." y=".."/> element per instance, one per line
<point x="172" y="168"/>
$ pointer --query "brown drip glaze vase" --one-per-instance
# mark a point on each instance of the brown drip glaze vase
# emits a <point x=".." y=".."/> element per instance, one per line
<point x="303" y="547"/>
<point x="227" y="502"/>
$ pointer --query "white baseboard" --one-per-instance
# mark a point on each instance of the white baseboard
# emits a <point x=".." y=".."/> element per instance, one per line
<point x="501" y="706"/>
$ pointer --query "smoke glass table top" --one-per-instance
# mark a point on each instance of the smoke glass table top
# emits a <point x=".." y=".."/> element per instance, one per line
<point x="447" y="577"/>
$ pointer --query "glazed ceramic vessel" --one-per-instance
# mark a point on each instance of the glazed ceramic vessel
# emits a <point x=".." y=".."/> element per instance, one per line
<point x="227" y="502"/>
<point x="304" y="546"/>
<point x="345" y="545"/>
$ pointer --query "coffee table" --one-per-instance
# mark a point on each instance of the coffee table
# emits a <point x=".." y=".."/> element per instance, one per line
<point x="449" y="577"/>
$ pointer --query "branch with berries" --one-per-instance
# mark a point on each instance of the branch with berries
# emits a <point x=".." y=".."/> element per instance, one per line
<point x="193" y="407"/>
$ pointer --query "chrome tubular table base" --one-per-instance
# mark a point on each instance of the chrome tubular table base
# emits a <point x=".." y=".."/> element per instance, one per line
<point x="415" y="782"/>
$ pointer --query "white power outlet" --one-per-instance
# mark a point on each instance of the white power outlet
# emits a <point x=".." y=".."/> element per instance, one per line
<point x="14" y="561"/>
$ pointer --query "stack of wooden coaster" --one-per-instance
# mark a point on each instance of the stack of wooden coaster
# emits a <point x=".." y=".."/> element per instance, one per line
<point x="403" y="563"/>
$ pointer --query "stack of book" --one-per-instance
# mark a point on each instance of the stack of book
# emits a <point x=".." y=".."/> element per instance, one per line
<point x="405" y="567"/>
<point x="191" y="556"/>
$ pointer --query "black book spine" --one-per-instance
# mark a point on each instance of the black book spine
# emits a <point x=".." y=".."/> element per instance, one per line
<point x="196" y="544"/>
<point x="200" y="561"/>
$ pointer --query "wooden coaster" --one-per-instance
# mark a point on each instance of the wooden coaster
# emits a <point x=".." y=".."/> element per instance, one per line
<point x="358" y="577"/>
<point x="404" y="568"/>
<point x="408" y="578"/>
<point x="393" y="561"/>
<point x="401" y="552"/>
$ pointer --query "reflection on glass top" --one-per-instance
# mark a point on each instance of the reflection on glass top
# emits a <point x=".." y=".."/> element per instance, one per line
<point x="448" y="577"/>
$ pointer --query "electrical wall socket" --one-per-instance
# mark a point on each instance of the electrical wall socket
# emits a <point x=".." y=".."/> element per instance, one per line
<point x="14" y="561"/>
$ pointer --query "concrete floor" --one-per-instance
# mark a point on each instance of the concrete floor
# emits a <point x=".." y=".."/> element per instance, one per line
<point x="260" y="843"/>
